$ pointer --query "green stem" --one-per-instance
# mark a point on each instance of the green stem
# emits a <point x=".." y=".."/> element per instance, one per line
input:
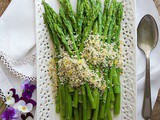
<point x="117" y="103"/>
<point x="80" y="109"/>
<point x="63" y="101"/>
<point x="68" y="103"/>
<point x="58" y="103"/>
<point x="103" y="105"/>
<point x="95" y="28"/>
<point x="89" y="110"/>
<point x="97" y="99"/>
<point x="108" y="104"/>
<point x="75" y="102"/>
<point x="116" y="82"/>
<point x="100" y="18"/>
<point x="80" y="98"/>
<point x="109" y="116"/>
<point x="90" y="96"/>
<point x="84" y="103"/>
<point x="76" y="114"/>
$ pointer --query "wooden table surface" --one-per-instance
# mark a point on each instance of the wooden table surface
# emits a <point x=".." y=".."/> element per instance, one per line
<point x="157" y="3"/>
<point x="3" y="5"/>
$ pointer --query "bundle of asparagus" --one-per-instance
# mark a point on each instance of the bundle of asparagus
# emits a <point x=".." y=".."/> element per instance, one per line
<point x="87" y="59"/>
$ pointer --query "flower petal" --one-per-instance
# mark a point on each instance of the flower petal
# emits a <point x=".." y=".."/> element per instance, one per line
<point x="20" y="108"/>
<point x="32" y="87"/>
<point x="16" y="97"/>
<point x="17" y="113"/>
<point x="27" y="100"/>
<point x="32" y="102"/>
<point x="27" y="94"/>
<point x="21" y="103"/>
<point x="10" y="101"/>
<point x="24" y="83"/>
<point x="11" y="114"/>
<point x="29" y="107"/>
<point x="13" y="90"/>
<point x="9" y="94"/>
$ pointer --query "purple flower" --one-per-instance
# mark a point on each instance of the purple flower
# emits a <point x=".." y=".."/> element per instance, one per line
<point x="11" y="97"/>
<point x="27" y="100"/>
<point x="11" y="114"/>
<point x="14" y="94"/>
<point x="27" y="116"/>
<point x="28" y="89"/>
<point x="24" y="83"/>
<point x="25" y="105"/>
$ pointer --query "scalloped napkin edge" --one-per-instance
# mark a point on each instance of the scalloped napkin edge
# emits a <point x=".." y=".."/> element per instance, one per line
<point x="17" y="35"/>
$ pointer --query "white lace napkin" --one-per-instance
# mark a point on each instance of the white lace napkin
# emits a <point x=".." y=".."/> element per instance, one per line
<point x="17" y="38"/>
<point x="147" y="7"/>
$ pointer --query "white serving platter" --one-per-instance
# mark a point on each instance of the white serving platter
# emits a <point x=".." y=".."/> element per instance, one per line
<point x="45" y="100"/>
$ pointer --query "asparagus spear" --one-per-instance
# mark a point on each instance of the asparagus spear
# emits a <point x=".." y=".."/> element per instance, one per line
<point x="105" y="11"/>
<point x="103" y="105"/>
<point x="58" y="30"/>
<point x="80" y="109"/>
<point x="80" y="18"/>
<point x="80" y="98"/>
<point x="61" y="35"/>
<point x="117" y="96"/>
<point x="69" y="12"/>
<point x="86" y="13"/>
<point x="84" y="103"/>
<point x="90" y="97"/>
<point x="62" y="101"/>
<point x="109" y="116"/>
<point x="75" y="102"/>
<point x="117" y="103"/>
<point x="97" y="98"/>
<point x="89" y="110"/>
<point x="119" y="14"/>
<point x="87" y="29"/>
<point x="113" y="23"/>
<point x="104" y="97"/>
<point x="70" y="29"/>
<point x="53" y="16"/>
<point x="93" y="2"/>
<point x="118" y="22"/>
<point x="95" y="28"/>
<point x="108" y="104"/>
<point x="68" y="103"/>
<point x="76" y="115"/>
<point x="116" y="83"/>
<point x="110" y="83"/>
<point x="100" y="18"/>
<point x="78" y="6"/>
<point x="109" y="19"/>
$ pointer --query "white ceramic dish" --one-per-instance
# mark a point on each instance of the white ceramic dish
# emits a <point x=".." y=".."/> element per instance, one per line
<point x="45" y="100"/>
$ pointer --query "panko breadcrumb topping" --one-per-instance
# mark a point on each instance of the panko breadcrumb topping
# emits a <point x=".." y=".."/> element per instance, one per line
<point x="77" y="72"/>
<point x="97" y="52"/>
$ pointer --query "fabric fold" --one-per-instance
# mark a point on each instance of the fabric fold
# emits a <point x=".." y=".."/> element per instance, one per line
<point x="17" y="36"/>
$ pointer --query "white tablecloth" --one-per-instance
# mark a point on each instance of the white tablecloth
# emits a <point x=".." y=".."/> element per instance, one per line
<point x="8" y="80"/>
<point x="17" y="40"/>
<point x="147" y="7"/>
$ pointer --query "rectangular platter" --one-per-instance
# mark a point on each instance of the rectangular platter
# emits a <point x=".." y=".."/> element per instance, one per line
<point x="45" y="99"/>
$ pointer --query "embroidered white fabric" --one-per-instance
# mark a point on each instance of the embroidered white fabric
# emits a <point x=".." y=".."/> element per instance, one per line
<point x="9" y="63"/>
<point x="46" y="103"/>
